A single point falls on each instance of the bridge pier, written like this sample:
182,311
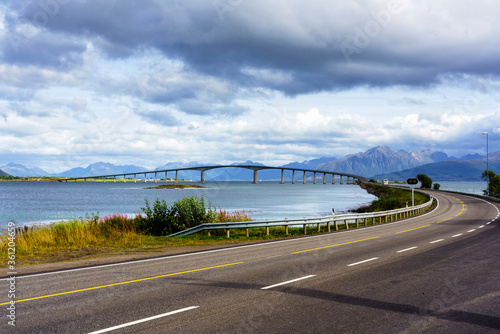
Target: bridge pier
135,178
324,178
166,177
314,178
282,176
333,178
124,178
293,176
176,178
202,176
341,179
255,180
304,177
145,177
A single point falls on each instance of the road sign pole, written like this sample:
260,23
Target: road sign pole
412,181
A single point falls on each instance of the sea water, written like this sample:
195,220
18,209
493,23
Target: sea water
43,202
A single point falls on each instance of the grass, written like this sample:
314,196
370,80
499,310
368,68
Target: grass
390,198
77,238
29,178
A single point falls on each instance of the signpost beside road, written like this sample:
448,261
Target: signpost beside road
412,181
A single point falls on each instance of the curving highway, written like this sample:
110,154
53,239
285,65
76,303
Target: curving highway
434,273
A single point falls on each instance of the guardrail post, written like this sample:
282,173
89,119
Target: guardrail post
247,230
346,224
267,230
305,228
319,227
336,226
357,222
328,225
208,232
286,229
227,233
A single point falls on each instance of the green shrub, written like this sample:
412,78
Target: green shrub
185,213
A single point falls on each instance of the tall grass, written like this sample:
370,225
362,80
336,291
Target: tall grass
225,217
110,231
90,235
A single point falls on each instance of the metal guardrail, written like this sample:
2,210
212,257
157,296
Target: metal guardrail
346,218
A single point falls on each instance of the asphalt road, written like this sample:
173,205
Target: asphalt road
436,273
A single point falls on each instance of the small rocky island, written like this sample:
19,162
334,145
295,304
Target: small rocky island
175,186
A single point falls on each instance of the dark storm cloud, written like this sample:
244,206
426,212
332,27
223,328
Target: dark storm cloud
320,46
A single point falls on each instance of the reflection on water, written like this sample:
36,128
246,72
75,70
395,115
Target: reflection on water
28,202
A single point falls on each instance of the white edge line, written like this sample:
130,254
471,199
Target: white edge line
143,320
287,282
456,235
214,250
439,240
356,263
407,249
471,230
481,226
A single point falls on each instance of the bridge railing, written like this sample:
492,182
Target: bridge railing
359,218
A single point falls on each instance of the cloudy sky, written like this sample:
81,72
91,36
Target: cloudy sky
149,82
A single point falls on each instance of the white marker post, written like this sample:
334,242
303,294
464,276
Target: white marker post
412,181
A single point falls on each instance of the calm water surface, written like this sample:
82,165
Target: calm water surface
32,202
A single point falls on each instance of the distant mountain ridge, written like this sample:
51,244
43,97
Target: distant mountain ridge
2,173
382,159
376,162
451,170
101,168
21,170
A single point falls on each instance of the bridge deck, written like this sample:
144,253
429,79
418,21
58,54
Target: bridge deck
202,170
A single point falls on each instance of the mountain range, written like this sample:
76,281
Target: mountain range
379,162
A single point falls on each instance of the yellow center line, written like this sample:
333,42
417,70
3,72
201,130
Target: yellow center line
458,214
121,283
344,243
413,229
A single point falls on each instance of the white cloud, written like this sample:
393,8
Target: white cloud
261,81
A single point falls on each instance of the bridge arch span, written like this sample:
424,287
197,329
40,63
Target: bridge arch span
254,168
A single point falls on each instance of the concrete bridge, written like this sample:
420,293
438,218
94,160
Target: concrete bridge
202,170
